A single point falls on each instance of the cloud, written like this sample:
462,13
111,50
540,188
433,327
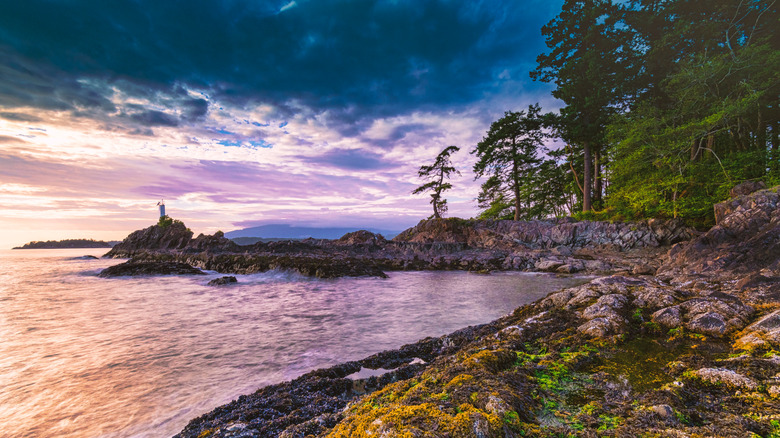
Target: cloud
19,117
154,118
351,59
351,159
9,139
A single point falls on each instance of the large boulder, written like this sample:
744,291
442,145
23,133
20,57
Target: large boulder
172,237
743,242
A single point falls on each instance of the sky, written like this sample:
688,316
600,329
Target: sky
241,113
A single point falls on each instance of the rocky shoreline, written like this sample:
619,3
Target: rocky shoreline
561,246
669,342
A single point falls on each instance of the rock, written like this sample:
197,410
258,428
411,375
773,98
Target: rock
222,281
497,407
558,299
727,377
134,268
668,317
755,279
665,411
709,323
583,295
642,269
174,236
361,237
774,391
766,329
749,341
652,297
746,188
607,306
548,265
768,323
567,269
215,243
740,243
597,328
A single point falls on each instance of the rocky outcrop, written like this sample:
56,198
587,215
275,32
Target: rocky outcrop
560,246
361,237
549,234
738,194
223,281
173,237
136,267
743,246
214,243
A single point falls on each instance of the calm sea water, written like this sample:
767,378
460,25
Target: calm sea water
82,356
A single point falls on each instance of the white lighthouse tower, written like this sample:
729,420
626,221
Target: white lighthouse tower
161,204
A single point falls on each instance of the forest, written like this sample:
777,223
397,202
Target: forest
667,104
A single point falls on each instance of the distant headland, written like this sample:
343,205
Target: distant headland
67,243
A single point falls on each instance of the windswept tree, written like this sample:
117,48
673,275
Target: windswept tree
436,173
507,155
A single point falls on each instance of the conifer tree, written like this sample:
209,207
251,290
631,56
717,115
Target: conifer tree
507,154
440,170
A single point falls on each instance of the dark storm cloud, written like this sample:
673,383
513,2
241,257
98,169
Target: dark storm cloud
356,59
154,118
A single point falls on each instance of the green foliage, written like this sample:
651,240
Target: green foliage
440,170
166,221
775,429
672,103
507,155
608,422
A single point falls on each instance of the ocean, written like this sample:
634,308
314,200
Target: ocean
83,356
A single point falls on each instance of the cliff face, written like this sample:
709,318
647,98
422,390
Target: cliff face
549,234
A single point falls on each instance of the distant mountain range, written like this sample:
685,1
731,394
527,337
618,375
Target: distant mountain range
283,231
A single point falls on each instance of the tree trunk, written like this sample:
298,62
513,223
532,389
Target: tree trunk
775,163
516,183
587,178
597,187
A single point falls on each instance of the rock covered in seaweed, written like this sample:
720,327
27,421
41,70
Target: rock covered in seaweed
135,268
223,281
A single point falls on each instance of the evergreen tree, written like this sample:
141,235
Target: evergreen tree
440,170
708,118
508,155
589,64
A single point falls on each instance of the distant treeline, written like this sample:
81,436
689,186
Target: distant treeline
67,243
